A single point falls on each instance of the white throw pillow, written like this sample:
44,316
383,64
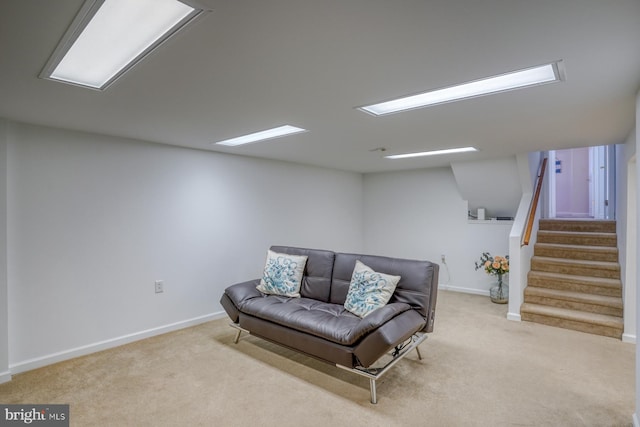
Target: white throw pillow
282,274
369,290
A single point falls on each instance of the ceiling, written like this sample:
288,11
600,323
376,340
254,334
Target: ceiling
250,65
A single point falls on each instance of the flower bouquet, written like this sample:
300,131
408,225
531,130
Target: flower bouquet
497,266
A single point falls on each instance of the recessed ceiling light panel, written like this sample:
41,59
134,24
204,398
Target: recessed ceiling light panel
108,37
544,74
262,135
431,153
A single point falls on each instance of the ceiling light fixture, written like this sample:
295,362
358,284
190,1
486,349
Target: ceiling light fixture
262,135
109,37
432,153
544,74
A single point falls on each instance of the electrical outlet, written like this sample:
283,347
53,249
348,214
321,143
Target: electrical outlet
444,260
159,286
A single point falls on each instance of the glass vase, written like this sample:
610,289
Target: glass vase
500,292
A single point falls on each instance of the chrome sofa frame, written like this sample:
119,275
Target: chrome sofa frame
373,373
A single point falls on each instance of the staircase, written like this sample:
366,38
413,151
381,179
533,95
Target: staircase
574,282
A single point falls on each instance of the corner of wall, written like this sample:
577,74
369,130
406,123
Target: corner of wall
5,374
505,170
636,421
526,170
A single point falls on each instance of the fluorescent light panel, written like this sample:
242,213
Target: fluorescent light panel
515,80
431,153
262,135
108,37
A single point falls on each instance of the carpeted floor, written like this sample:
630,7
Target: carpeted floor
478,370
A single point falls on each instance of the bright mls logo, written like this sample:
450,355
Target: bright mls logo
36,415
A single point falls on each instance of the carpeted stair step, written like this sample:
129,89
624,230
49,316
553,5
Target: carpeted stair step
584,252
574,282
593,323
567,282
599,226
575,238
576,267
591,303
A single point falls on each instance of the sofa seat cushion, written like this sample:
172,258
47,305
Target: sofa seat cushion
325,320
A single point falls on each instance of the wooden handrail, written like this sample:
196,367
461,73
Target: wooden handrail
534,204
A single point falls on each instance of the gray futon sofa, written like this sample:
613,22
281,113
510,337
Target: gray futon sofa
317,323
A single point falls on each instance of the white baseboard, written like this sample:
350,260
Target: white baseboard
464,290
636,421
629,338
5,377
510,316
514,316
39,362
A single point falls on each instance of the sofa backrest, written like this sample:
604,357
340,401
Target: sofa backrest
316,282
417,287
327,276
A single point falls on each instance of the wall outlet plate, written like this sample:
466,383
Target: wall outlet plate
159,286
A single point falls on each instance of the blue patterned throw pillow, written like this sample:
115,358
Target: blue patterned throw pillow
369,290
282,274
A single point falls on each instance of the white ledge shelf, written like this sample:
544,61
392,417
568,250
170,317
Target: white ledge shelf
490,221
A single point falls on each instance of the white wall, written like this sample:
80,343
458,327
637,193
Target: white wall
94,220
520,256
498,191
420,214
625,167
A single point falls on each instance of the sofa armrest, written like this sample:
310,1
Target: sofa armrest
244,291
373,321
381,316
389,335
236,295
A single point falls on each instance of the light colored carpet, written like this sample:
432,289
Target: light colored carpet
478,370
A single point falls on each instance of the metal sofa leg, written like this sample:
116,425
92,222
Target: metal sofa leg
372,386
375,373
372,373
239,331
